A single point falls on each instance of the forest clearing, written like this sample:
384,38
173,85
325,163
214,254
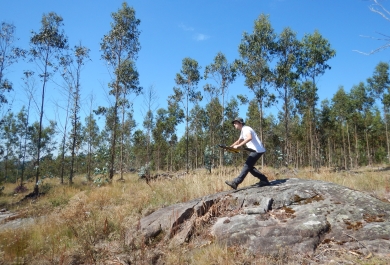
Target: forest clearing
93,223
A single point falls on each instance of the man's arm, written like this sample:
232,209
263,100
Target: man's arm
241,142
236,143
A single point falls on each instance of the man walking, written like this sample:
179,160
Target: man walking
249,137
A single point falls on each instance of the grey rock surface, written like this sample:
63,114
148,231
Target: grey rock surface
302,216
10,221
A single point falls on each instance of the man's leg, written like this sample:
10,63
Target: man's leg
256,173
248,167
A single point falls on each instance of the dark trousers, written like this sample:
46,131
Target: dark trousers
249,166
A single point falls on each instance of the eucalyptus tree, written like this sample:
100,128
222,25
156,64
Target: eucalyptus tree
305,96
315,51
21,124
379,85
252,115
342,108
211,121
286,75
197,116
257,51
45,136
46,46
376,136
120,48
160,136
362,103
327,130
127,126
187,80
64,129
175,117
231,112
223,73
91,138
73,65
23,118
150,98
10,140
9,55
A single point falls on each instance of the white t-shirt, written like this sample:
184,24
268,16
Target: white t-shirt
255,143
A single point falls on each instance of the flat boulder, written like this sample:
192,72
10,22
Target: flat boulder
302,216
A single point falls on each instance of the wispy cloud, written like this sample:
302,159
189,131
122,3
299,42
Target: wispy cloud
186,28
201,37
195,36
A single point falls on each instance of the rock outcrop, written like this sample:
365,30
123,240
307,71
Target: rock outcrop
301,216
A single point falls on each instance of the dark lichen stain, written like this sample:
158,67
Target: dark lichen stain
297,198
316,198
353,225
369,218
288,210
300,200
331,241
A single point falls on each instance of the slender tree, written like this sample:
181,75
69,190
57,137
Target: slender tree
10,139
305,96
342,109
379,85
120,48
150,98
313,62
188,80
286,74
9,55
257,51
46,139
29,87
73,65
223,73
46,45
91,138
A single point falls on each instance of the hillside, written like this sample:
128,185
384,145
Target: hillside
88,223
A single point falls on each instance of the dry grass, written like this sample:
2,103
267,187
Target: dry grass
86,224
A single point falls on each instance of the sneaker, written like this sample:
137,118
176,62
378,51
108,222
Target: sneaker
263,183
231,184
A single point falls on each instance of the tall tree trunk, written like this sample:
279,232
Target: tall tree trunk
344,149
349,148
36,188
387,135
113,135
356,148
122,142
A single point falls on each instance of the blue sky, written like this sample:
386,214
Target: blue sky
174,29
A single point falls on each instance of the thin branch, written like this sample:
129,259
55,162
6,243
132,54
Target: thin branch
372,8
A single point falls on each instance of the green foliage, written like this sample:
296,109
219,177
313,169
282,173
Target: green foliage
348,129
119,49
144,171
209,158
102,175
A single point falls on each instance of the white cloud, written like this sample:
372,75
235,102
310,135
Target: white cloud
201,37
186,28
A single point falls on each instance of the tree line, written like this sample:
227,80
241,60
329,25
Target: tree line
349,130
